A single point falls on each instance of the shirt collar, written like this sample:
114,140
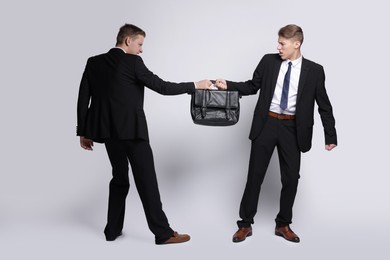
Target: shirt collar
294,62
121,49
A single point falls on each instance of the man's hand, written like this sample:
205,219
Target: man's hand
86,143
221,84
203,84
329,147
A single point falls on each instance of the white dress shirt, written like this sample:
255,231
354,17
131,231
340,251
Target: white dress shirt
293,88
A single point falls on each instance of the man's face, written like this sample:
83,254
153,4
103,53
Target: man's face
134,45
288,48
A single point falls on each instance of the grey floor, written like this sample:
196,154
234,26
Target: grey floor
74,230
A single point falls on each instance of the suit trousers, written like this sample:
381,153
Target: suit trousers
281,134
140,155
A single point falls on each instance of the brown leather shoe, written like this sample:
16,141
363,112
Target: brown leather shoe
177,238
287,233
241,234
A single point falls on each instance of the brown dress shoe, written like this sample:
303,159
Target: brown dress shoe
241,234
287,233
177,238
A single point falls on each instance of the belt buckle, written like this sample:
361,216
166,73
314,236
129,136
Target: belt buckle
280,116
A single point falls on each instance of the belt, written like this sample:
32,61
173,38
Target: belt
281,116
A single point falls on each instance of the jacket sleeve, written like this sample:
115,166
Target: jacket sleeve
325,109
154,83
83,103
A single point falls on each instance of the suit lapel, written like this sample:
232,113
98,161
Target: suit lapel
275,74
302,78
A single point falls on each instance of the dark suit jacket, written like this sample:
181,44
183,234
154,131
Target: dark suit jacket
111,96
311,89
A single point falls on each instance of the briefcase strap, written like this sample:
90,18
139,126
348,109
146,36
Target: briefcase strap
203,104
227,105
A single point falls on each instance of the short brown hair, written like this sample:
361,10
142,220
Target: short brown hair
128,30
291,31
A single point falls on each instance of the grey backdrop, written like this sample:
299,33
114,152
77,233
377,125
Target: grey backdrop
53,195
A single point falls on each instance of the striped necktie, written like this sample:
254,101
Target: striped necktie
286,84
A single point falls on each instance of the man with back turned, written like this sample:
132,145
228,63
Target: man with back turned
110,111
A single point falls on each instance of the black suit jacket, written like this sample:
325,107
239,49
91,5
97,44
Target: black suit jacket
311,89
111,96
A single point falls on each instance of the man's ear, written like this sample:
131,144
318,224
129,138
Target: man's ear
297,44
128,41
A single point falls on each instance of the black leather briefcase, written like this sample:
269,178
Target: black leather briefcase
215,107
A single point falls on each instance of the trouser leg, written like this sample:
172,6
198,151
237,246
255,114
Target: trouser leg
142,164
289,160
261,153
118,189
